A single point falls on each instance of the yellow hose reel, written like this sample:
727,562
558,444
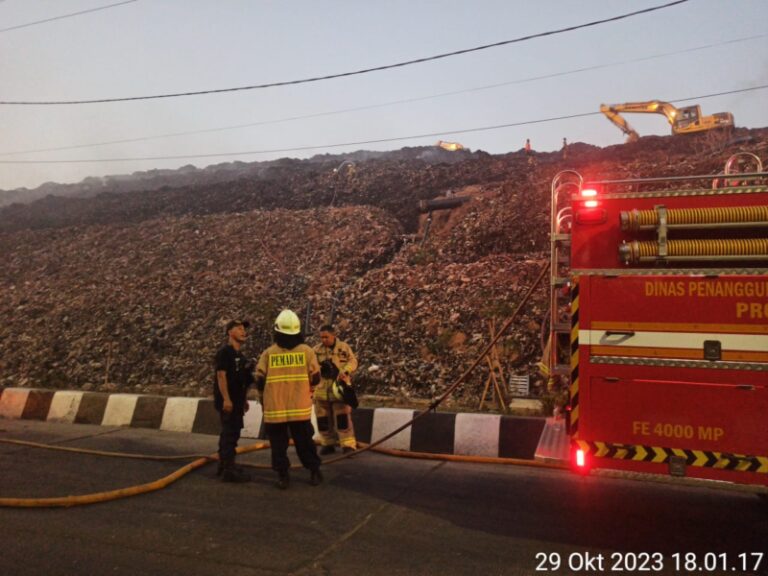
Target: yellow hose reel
664,220
730,217
714,250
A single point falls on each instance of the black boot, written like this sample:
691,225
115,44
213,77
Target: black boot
315,477
220,468
232,473
283,480
327,450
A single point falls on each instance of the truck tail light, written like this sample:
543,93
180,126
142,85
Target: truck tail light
580,461
588,210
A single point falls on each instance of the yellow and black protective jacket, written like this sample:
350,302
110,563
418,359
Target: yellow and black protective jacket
287,395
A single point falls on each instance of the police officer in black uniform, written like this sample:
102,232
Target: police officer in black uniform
233,377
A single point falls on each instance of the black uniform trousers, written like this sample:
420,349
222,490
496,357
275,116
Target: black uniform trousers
302,433
231,425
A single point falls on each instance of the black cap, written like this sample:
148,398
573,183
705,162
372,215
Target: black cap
232,323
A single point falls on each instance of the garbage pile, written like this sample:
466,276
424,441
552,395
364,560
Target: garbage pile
130,290
142,307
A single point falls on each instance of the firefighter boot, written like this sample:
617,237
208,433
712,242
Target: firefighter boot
232,473
283,480
315,477
222,465
220,468
325,450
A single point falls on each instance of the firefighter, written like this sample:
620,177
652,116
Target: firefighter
233,377
286,373
334,415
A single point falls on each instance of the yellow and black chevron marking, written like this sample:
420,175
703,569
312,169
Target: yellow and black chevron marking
659,455
574,389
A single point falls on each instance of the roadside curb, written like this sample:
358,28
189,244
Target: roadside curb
466,434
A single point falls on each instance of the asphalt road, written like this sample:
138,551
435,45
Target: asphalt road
374,515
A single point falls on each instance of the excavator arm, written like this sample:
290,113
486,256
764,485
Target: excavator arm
613,115
683,120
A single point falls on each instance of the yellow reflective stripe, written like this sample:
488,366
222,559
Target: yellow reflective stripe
298,378
296,412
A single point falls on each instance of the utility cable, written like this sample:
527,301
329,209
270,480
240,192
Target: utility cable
299,148
28,24
361,142
389,103
353,73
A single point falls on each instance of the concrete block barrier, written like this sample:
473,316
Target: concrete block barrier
436,432
64,406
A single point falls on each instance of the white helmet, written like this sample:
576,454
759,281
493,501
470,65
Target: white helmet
288,323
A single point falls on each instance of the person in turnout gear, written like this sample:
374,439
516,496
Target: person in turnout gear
334,413
233,377
286,373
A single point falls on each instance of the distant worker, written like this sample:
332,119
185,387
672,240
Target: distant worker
334,415
528,150
285,375
233,377
565,148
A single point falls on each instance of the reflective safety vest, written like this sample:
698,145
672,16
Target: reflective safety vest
287,395
344,359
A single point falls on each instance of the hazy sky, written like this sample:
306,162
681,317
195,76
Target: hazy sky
152,47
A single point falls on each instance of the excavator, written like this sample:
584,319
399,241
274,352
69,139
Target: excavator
684,120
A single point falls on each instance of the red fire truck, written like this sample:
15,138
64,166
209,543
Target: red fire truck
659,322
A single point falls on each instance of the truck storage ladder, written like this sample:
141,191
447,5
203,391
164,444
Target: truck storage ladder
564,184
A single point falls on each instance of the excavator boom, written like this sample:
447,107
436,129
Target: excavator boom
683,120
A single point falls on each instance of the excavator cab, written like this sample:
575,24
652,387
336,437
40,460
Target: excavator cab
687,116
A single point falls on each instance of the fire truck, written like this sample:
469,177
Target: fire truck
659,322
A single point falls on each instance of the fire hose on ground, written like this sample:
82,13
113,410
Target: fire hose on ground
202,460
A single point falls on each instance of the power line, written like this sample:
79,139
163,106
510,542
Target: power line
384,104
345,74
360,142
28,24
300,148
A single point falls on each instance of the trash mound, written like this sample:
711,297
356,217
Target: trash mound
130,290
419,326
142,307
